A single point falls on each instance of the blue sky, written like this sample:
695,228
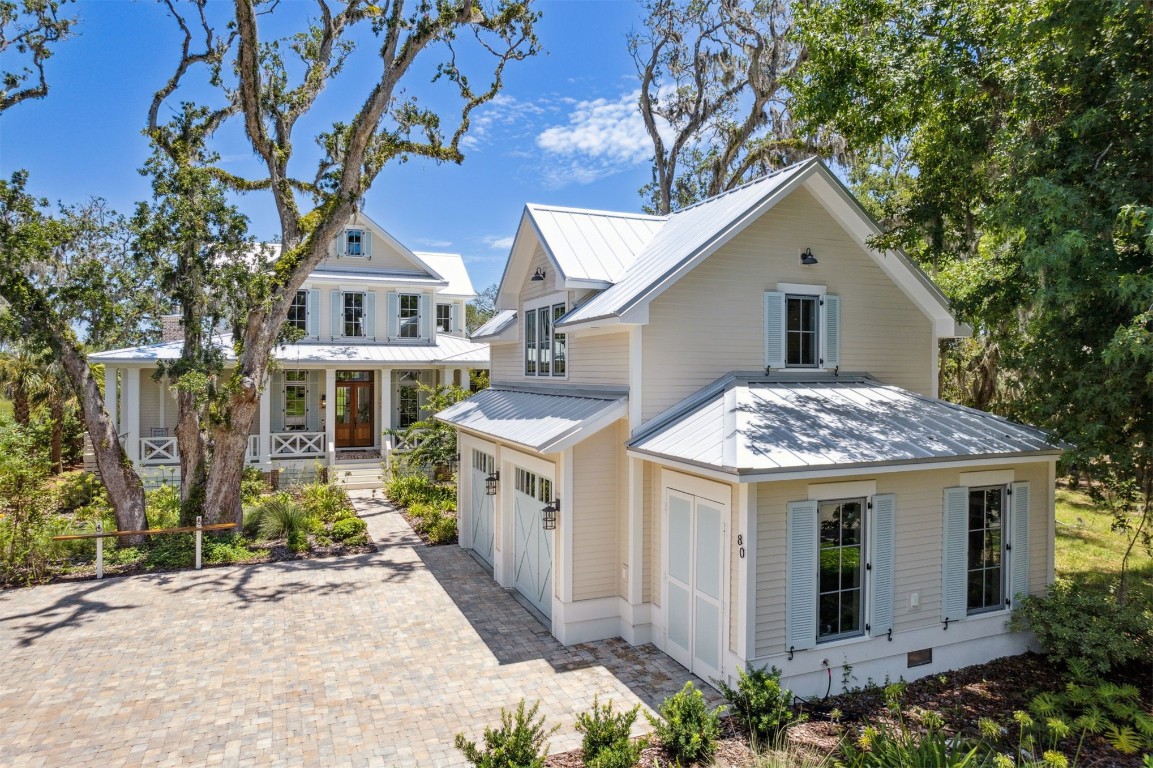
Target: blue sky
565,129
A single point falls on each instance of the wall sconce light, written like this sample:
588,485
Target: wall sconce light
807,257
548,515
538,276
490,483
323,401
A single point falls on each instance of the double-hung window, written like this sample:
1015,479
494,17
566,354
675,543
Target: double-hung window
545,349
353,315
295,400
802,327
354,242
409,315
840,561
444,318
298,312
801,331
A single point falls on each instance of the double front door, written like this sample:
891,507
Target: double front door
354,411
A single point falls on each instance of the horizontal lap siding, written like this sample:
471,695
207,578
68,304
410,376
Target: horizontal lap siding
149,403
595,511
506,362
712,320
600,359
383,256
1040,517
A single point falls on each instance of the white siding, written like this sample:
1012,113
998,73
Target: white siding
711,321
383,256
599,359
507,361
597,478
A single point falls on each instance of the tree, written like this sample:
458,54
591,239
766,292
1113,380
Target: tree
713,96
481,309
276,84
1025,182
30,29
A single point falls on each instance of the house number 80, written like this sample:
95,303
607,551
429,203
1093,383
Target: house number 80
741,543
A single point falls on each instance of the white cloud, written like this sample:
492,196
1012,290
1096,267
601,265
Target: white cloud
498,242
602,137
432,243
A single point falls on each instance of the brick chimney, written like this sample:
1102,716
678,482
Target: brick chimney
171,328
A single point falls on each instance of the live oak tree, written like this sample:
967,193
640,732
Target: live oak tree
713,96
29,30
270,85
1009,143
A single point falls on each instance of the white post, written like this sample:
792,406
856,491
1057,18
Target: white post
330,414
198,537
385,411
130,412
110,393
163,385
99,550
462,374
264,454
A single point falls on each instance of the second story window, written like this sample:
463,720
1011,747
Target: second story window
802,327
353,314
409,316
354,244
444,318
801,330
545,350
298,312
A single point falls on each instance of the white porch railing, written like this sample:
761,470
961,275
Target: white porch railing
297,444
158,450
405,443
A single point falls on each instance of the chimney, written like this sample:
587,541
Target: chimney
171,328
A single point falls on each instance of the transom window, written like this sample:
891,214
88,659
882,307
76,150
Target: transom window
298,312
353,314
295,400
801,341
842,569
538,487
444,318
545,350
409,309
354,242
986,550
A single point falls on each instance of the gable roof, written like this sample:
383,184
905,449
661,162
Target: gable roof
451,267
594,246
417,260
764,426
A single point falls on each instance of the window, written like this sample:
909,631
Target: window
444,318
801,331
295,400
540,488
545,351
986,550
354,242
408,407
842,569
353,314
409,314
298,312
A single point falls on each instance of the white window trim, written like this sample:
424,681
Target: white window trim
363,314
436,316
291,304
820,291
344,244
532,306
419,318
1006,550
286,384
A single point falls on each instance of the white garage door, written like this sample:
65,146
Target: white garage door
533,545
694,580
482,518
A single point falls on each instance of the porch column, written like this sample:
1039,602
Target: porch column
110,399
446,376
264,452
385,387
330,414
462,374
130,412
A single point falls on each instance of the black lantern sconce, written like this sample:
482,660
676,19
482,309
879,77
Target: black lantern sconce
538,276
490,483
807,257
548,515
323,401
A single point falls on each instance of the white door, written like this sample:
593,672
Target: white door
694,580
482,518
532,543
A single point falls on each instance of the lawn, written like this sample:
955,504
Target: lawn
1088,550
5,408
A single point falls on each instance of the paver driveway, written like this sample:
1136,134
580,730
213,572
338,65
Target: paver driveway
363,660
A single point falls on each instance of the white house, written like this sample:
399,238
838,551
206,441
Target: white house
729,415
377,320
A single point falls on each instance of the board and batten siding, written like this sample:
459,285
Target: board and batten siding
596,508
918,546
711,321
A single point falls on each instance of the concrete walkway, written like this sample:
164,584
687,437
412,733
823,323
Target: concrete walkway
374,659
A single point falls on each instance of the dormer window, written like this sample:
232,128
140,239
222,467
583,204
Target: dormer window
356,243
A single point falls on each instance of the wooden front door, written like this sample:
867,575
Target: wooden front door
354,417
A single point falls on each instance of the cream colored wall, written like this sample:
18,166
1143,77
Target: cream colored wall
597,470
919,497
380,331
505,359
652,525
711,321
530,289
383,257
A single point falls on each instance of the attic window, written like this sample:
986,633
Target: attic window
354,243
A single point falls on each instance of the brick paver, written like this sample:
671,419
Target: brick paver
374,659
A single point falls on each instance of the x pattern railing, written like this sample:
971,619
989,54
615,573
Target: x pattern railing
298,444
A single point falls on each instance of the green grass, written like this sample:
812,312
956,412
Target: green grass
5,408
1088,550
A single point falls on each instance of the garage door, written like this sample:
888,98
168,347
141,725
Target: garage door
533,545
694,580
482,517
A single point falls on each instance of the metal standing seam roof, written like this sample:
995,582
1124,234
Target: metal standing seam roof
448,349
593,245
542,422
496,324
748,426
451,268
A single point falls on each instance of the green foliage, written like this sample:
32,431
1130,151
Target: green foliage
901,745
162,506
350,530
760,703
408,489
26,506
78,489
1077,624
520,742
435,519
280,517
252,485
687,727
434,441
326,501
607,741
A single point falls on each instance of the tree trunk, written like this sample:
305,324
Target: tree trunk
190,446
229,448
56,410
21,408
125,490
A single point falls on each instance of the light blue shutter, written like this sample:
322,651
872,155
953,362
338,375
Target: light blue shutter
454,317
426,316
366,243
774,329
1019,541
801,578
832,310
370,314
312,313
882,557
393,315
314,400
337,328
275,393
342,243
954,604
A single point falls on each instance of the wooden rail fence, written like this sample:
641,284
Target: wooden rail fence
100,535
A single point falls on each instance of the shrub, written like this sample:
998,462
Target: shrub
518,743
760,703
325,501
1077,623
687,728
279,517
442,529
162,506
25,504
351,531
78,489
252,485
409,489
607,739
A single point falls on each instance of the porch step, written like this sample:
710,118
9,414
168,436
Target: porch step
358,476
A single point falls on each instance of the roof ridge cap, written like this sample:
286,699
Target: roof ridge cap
745,185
